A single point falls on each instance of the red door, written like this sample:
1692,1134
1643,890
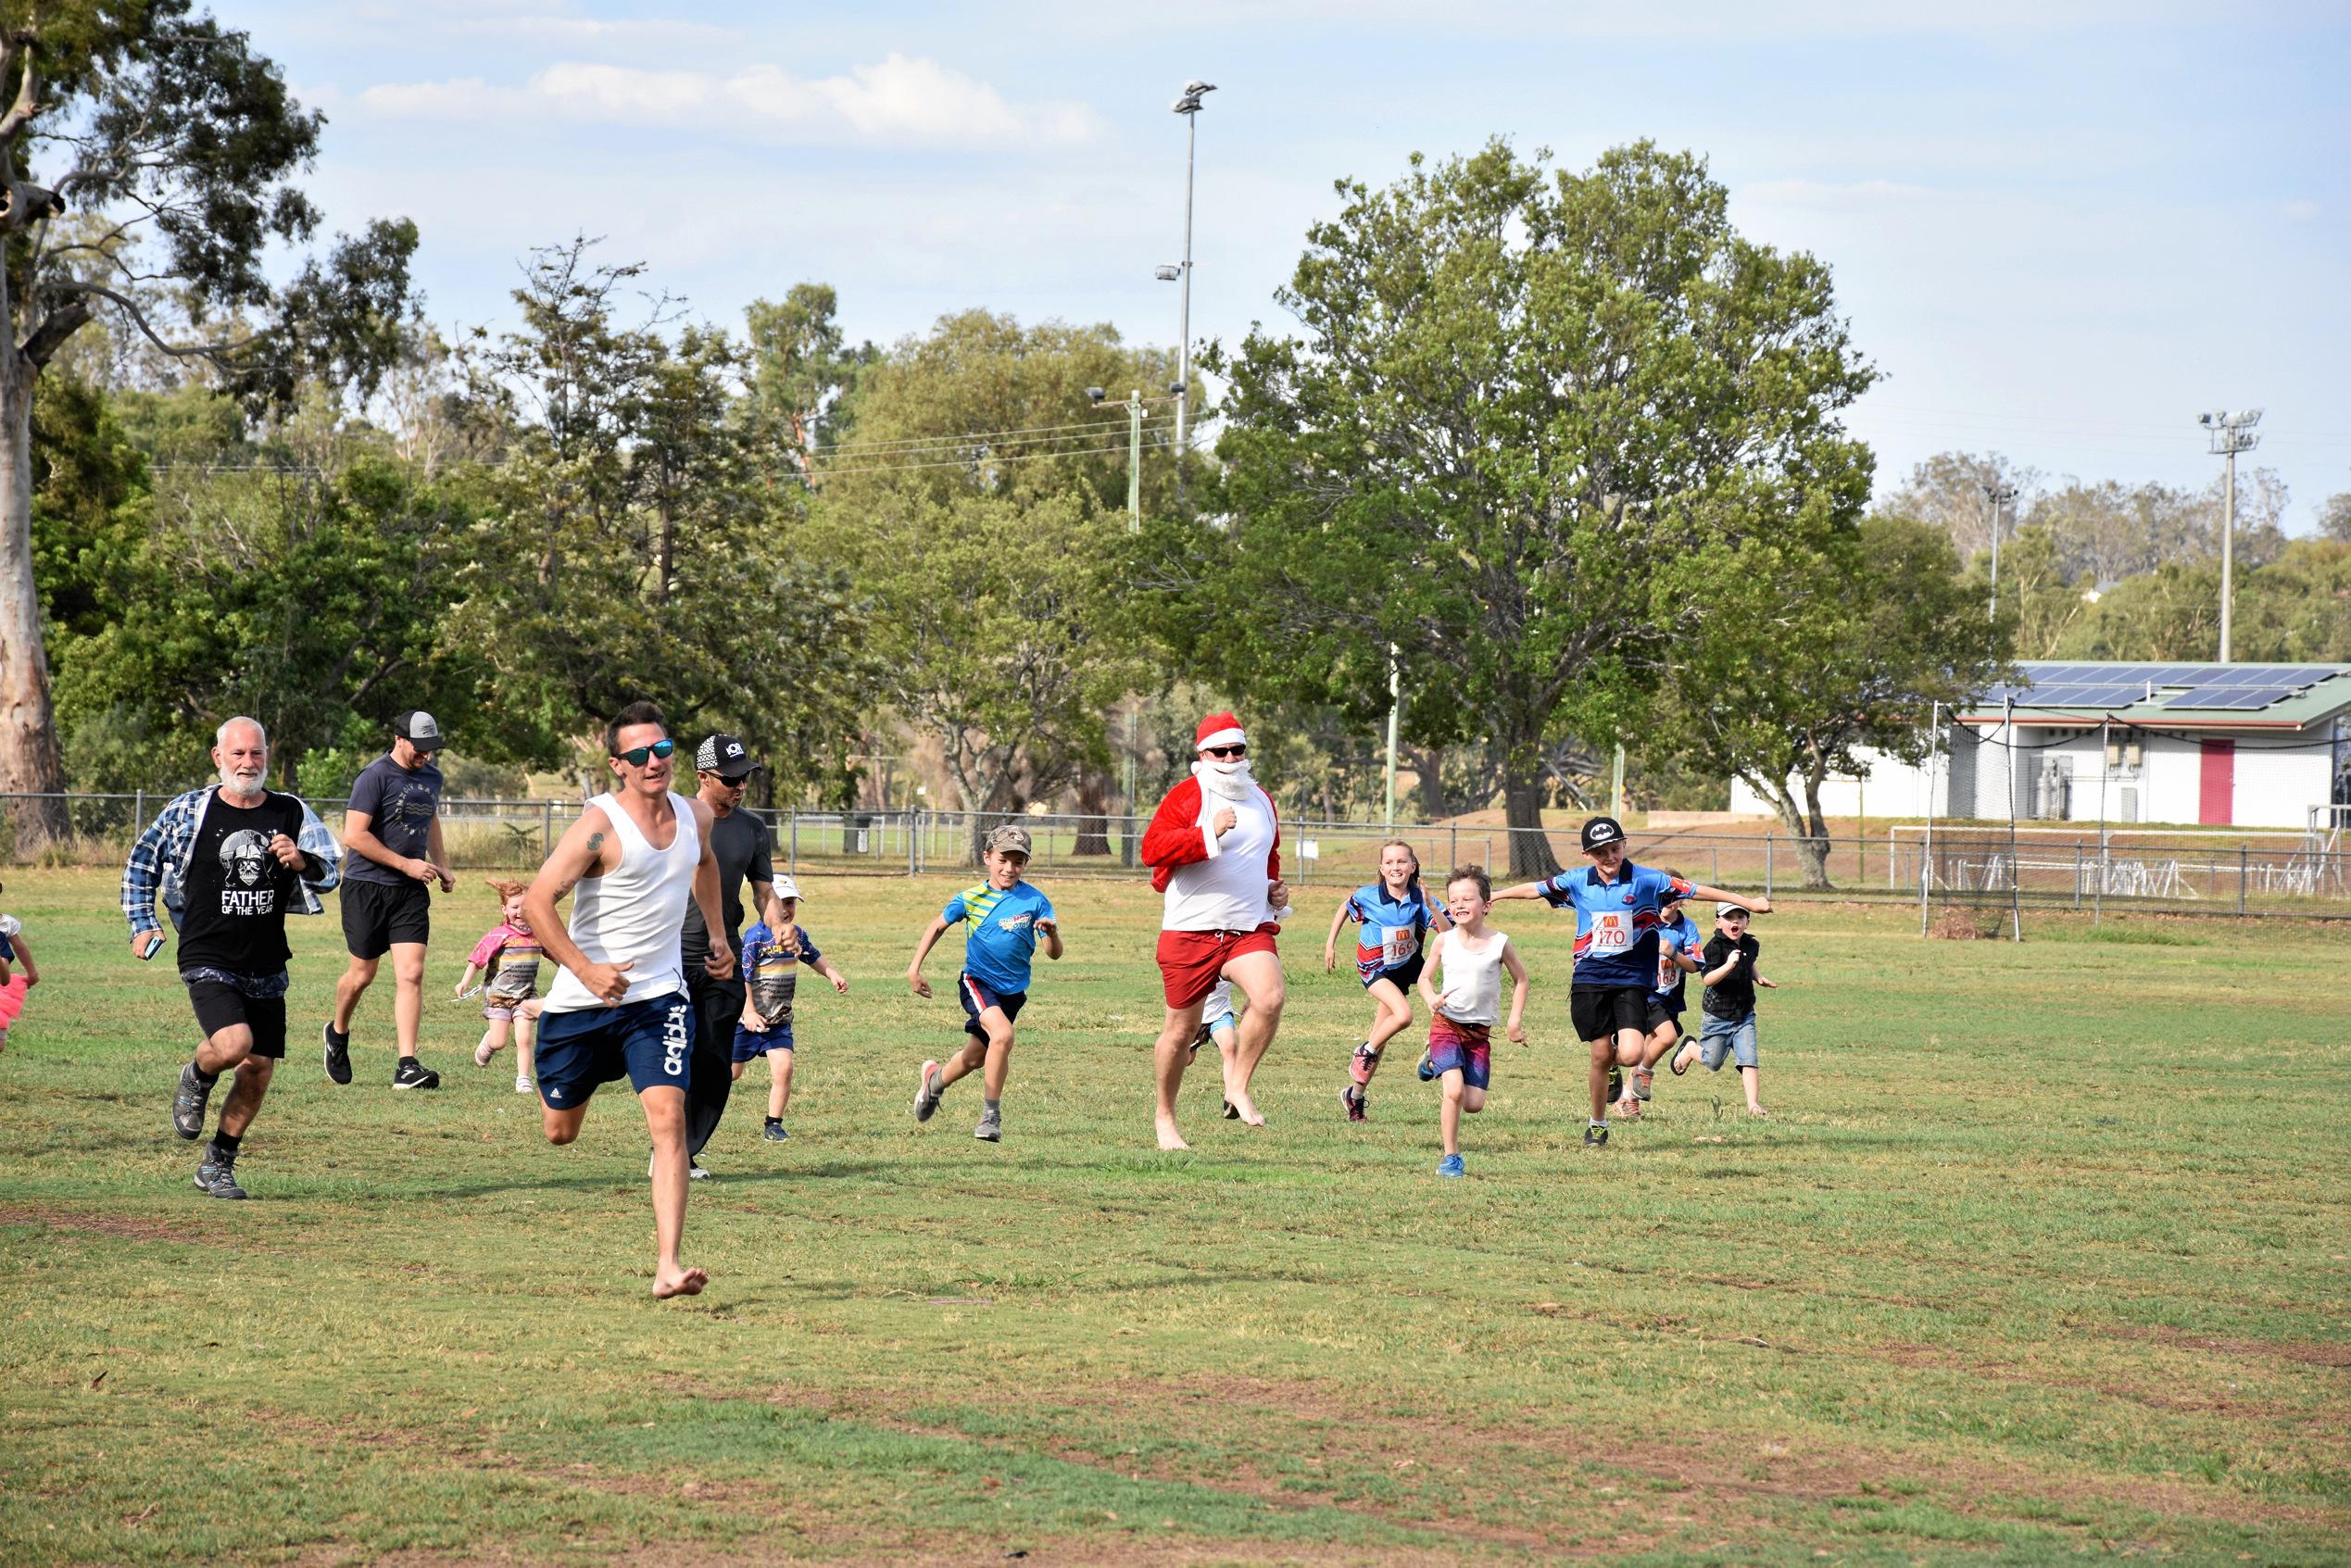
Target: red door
2218,800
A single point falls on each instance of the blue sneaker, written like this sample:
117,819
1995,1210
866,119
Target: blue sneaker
1427,1070
1449,1165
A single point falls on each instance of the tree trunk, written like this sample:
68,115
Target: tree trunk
1430,766
29,764
1093,792
1812,840
1530,855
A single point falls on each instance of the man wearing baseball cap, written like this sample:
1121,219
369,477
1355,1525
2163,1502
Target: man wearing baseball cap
392,828
1616,921
1214,849
744,847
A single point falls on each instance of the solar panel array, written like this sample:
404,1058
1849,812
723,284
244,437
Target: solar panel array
2226,687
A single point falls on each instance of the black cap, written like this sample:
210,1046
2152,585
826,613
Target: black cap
420,730
722,754
1602,830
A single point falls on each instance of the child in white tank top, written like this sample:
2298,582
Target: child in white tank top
1472,957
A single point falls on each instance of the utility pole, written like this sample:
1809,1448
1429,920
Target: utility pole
1189,106
2231,433
1999,495
1134,406
1395,707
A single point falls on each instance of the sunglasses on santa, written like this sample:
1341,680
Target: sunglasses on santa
1224,751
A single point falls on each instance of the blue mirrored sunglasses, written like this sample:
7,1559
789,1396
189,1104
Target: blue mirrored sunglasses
634,756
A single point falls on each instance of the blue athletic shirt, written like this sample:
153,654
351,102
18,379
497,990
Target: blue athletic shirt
1388,931
1615,921
1004,932
1681,936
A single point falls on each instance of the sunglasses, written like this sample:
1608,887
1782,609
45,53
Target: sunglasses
735,781
634,756
1225,751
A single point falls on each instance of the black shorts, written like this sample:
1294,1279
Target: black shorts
1599,1013
219,1005
1660,1015
978,998
377,914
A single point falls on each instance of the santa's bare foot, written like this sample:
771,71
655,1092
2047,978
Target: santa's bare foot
678,1281
1170,1139
1251,1116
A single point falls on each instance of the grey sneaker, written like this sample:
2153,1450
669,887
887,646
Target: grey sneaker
338,1054
217,1176
926,1093
990,1128
187,1106
1643,1077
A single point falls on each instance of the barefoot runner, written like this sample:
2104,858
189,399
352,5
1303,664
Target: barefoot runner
618,1009
1214,849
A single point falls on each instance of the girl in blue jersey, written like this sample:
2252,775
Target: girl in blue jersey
1395,916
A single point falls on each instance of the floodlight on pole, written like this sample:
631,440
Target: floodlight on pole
1189,106
2231,433
1999,495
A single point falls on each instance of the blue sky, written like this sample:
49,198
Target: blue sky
2060,229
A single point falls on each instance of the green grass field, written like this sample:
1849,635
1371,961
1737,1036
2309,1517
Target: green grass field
2042,1255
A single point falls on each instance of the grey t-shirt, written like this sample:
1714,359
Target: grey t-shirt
744,847
400,803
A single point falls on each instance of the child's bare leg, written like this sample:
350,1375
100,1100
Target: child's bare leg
999,1058
734,1071
1449,1109
1604,1053
1748,1079
779,1082
526,1040
970,1058
492,1041
1660,1043
1473,1100
1395,1015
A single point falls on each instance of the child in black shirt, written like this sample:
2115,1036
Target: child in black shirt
1731,977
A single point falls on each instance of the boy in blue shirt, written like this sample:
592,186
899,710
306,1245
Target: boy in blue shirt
1008,919
772,957
1617,920
1677,948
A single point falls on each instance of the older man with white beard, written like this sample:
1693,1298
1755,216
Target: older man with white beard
1214,849
228,863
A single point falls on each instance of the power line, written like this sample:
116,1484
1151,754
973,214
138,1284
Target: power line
976,460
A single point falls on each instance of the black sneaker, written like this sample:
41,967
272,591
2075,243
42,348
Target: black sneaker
1352,1097
1595,1137
217,1176
1232,1112
413,1074
187,1106
338,1054
1616,1083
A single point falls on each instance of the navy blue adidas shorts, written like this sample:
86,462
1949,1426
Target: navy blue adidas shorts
651,1043
978,998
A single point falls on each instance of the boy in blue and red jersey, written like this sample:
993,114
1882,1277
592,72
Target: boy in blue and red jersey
1616,906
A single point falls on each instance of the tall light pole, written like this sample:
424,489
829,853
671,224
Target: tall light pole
2231,433
1134,406
1189,106
1999,495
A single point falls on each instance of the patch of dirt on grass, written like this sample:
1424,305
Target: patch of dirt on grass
125,1227
1116,1551
2307,1352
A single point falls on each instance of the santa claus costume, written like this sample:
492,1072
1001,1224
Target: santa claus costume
1214,849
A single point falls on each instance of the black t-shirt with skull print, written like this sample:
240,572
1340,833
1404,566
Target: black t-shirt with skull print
236,893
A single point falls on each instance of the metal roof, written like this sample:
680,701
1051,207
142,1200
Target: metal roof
2178,695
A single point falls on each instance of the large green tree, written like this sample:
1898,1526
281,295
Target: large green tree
1823,655
184,144
1535,420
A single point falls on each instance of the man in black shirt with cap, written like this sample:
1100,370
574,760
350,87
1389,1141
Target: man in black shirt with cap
393,830
745,848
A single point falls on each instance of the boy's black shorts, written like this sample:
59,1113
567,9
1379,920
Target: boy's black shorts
1600,1011
219,1005
1660,1015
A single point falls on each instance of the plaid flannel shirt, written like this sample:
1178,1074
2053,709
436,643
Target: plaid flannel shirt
157,870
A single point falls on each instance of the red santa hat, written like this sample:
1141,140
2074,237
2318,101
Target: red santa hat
1219,729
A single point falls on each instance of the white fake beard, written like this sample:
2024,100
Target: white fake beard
1230,780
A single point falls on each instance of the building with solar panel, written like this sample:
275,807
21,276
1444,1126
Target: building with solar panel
2253,746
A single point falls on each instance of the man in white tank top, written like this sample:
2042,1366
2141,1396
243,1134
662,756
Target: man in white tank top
619,1007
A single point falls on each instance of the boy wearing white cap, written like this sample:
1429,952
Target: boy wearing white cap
1731,978
772,957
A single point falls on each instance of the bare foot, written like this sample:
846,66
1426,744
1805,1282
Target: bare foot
686,1282
1170,1139
1251,1116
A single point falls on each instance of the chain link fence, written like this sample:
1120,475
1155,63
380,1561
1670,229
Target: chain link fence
2302,876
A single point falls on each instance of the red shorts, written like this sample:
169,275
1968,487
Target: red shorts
1190,961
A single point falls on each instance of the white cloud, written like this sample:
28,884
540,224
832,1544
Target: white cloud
2300,212
897,101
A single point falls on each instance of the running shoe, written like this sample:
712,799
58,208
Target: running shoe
694,1172
927,1092
482,1052
1643,1077
338,1054
1626,1109
1365,1060
1427,1068
187,1106
990,1128
1232,1112
1595,1137
413,1074
217,1175
1616,1083
1352,1098
1449,1165
773,1132
522,1085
